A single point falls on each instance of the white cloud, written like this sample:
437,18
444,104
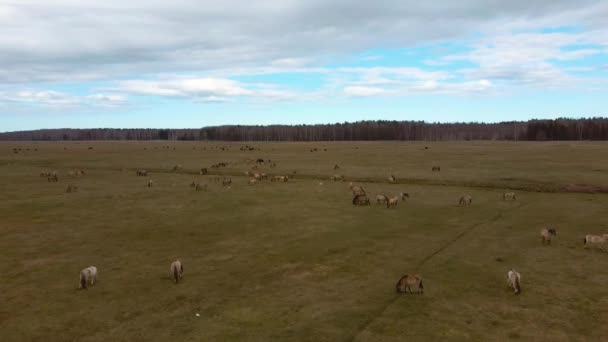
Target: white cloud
40,97
360,91
201,89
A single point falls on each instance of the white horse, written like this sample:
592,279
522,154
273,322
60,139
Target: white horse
596,240
392,202
88,276
514,280
177,270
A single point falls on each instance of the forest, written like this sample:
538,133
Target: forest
533,130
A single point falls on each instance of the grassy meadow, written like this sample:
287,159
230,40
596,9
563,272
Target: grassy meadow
296,261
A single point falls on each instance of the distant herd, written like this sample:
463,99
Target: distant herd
409,282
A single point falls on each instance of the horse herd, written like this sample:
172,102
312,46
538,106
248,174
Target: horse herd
407,282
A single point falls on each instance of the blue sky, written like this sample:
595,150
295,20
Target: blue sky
189,63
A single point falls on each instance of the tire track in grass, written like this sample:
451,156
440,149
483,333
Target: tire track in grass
429,257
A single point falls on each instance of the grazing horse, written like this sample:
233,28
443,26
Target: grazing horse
226,182
546,234
336,178
465,200
203,171
514,280
357,190
392,179
508,196
381,199
596,240
142,173
408,281
404,196
360,200
88,276
392,202
177,270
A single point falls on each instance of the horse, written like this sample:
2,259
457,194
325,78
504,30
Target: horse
408,281
465,200
514,280
360,200
381,199
177,270
357,190
392,179
508,196
546,234
436,168
404,196
336,178
88,276
392,202
596,240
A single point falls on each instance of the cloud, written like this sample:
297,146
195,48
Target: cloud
108,100
70,40
201,89
359,91
40,98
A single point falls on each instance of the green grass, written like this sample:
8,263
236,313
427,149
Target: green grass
295,260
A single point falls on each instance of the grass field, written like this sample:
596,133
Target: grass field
296,260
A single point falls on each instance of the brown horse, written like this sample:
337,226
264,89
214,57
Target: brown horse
410,281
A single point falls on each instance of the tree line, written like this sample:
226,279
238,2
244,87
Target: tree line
532,130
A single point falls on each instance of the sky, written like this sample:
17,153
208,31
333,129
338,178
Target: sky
189,64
